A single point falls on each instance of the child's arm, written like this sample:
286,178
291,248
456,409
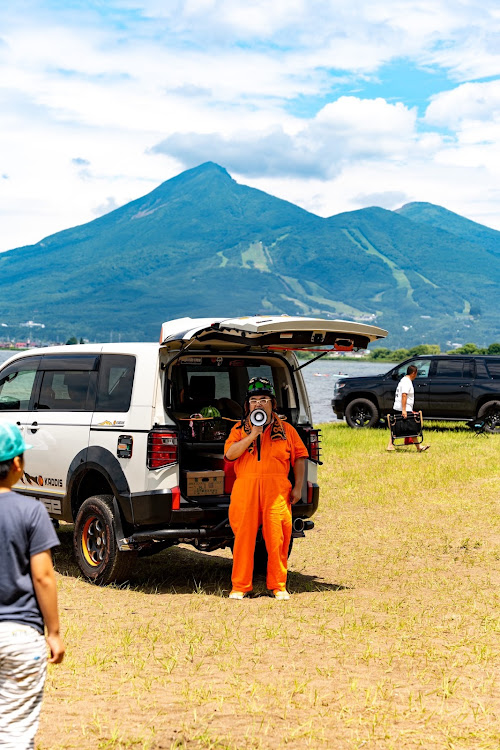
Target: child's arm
44,583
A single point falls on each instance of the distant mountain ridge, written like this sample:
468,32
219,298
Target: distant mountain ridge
441,218
202,244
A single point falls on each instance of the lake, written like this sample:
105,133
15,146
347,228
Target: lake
320,377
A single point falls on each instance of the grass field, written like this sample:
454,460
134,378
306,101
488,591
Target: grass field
390,640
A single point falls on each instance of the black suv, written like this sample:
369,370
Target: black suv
446,387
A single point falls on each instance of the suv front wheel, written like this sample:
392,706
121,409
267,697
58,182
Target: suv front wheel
361,413
94,543
490,412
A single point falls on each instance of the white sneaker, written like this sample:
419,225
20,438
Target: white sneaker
236,595
283,596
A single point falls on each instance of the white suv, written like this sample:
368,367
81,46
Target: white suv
128,439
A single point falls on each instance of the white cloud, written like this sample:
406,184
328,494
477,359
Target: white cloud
109,205
391,199
346,130
470,102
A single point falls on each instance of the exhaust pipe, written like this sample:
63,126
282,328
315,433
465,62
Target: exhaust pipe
298,524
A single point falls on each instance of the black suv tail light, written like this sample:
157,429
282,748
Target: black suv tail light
162,449
313,444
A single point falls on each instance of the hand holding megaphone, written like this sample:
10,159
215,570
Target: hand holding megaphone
258,417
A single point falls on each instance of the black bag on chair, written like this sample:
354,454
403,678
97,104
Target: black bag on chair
402,428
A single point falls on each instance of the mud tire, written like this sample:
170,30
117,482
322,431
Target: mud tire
94,543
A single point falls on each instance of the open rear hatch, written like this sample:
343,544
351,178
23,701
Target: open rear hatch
273,332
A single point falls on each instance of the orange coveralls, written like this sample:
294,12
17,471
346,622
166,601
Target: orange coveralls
261,496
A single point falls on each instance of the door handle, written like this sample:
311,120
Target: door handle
466,385
34,427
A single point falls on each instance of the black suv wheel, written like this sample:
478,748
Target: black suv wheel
94,543
490,412
361,413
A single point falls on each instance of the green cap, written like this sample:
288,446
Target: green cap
11,442
260,387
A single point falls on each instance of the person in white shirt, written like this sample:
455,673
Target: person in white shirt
403,402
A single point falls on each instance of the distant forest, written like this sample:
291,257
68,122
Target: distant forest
383,354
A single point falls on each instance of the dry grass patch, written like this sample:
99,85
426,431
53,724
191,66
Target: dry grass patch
391,639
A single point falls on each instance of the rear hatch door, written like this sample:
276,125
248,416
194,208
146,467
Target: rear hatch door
275,332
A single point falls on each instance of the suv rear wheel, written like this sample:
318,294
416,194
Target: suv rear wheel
490,412
361,413
94,543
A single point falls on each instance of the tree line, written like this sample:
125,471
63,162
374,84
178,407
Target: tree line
397,355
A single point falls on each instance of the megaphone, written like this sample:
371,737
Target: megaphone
258,417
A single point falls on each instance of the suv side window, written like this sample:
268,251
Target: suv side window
423,366
63,390
481,371
16,385
116,378
494,368
451,368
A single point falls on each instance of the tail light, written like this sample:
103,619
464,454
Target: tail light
162,449
314,444
176,498
310,490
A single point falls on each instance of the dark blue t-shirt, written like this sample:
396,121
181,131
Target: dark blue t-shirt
25,530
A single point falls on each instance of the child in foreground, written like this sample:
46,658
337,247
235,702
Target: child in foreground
28,600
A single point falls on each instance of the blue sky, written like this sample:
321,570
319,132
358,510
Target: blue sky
332,105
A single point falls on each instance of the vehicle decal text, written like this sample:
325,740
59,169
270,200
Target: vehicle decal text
53,506
41,481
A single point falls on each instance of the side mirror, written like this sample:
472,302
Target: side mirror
395,376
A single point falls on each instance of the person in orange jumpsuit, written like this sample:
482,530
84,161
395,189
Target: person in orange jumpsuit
262,493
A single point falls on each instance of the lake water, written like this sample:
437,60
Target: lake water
5,355
319,377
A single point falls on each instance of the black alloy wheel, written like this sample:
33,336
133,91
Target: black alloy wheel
361,413
490,412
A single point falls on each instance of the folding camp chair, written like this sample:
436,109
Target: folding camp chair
478,426
404,428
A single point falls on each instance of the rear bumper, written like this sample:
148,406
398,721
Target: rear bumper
156,520
155,509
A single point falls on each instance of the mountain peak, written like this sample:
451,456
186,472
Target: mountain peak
209,166
443,218
208,170
417,204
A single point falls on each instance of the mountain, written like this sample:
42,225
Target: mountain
437,216
202,244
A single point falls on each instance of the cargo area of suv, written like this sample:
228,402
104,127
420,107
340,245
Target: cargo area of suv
217,385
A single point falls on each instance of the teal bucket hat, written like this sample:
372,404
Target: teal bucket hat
11,442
